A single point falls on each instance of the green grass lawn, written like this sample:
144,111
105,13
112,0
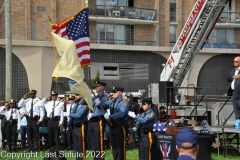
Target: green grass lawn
131,155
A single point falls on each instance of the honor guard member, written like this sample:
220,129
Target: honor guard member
12,125
69,107
34,114
54,111
118,116
97,124
78,121
145,126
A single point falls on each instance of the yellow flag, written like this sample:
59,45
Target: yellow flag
69,67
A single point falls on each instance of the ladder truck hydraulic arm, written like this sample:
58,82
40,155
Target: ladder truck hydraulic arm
194,34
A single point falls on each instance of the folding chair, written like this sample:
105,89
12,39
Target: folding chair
43,130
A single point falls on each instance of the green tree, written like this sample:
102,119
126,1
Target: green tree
95,80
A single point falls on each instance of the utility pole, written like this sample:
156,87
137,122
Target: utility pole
8,37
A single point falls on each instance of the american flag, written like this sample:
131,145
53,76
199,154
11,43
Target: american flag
217,142
77,29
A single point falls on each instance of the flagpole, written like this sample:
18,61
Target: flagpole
95,97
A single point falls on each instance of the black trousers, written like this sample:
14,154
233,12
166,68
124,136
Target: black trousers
11,134
117,140
33,135
96,138
3,131
53,134
236,107
69,137
145,146
79,141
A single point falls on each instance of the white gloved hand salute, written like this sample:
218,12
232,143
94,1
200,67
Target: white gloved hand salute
131,114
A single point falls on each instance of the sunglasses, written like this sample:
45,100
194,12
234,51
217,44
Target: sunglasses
70,99
235,61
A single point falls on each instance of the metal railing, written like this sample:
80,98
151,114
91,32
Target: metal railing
137,37
229,17
123,12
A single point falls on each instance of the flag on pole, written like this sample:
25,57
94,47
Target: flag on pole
217,142
69,67
76,29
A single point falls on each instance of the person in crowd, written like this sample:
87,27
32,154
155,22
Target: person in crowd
12,125
134,107
64,140
69,107
118,116
78,121
3,124
139,100
34,114
144,127
23,127
187,144
54,111
97,123
234,88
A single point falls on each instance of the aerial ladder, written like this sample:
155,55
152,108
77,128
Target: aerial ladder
194,34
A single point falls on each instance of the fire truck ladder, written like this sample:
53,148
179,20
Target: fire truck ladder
195,37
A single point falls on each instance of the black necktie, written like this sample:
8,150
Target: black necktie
112,107
31,113
11,114
70,109
53,109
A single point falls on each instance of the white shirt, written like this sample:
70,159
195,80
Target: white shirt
37,107
232,84
58,108
69,107
15,115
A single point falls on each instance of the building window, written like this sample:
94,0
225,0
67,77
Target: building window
115,33
172,10
117,71
172,35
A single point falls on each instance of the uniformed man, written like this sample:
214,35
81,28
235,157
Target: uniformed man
118,108
34,114
12,126
54,111
3,124
145,128
78,121
134,107
69,107
97,124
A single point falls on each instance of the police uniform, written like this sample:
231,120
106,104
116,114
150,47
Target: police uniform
54,111
96,126
35,113
145,129
12,126
118,130
69,108
78,121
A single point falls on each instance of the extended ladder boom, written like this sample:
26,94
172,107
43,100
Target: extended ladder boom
198,27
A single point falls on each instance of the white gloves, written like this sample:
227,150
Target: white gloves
131,114
134,129
89,116
106,116
97,101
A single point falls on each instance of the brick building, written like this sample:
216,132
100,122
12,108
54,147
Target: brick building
129,43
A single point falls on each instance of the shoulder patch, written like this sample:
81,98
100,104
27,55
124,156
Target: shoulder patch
152,115
125,103
105,98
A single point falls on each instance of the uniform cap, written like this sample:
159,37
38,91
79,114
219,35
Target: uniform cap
139,97
116,89
147,100
32,91
53,93
129,95
186,135
71,97
101,84
76,94
12,101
